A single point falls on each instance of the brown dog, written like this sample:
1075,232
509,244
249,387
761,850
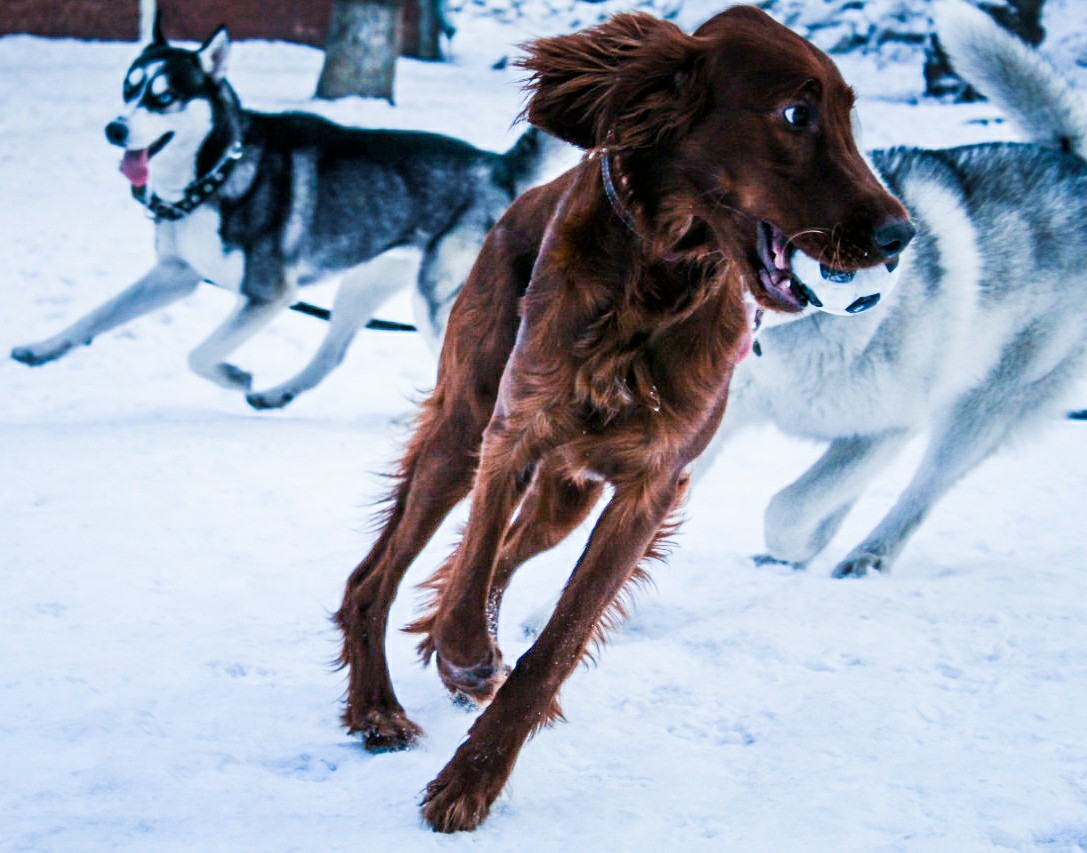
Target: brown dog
594,342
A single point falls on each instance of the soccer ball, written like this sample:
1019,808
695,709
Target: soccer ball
839,292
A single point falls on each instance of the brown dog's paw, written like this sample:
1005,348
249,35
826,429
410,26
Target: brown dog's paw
453,803
385,730
473,686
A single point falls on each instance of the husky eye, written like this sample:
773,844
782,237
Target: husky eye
799,116
160,91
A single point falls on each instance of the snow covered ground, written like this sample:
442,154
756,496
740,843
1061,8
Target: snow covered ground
169,558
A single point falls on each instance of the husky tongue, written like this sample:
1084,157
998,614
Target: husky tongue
134,167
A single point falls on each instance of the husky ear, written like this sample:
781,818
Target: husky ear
213,54
157,37
627,83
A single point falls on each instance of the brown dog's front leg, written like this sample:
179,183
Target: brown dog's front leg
461,796
469,661
553,507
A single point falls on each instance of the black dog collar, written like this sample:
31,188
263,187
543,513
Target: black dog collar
612,193
196,193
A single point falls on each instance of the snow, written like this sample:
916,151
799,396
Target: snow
170,557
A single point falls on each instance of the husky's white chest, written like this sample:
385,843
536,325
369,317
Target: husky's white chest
195,240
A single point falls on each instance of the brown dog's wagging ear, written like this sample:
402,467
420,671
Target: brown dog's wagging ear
624,83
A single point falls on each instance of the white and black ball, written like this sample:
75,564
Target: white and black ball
839,292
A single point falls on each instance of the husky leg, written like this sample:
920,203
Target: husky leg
359,296
804,516
247,319
444,269
168,281
971,431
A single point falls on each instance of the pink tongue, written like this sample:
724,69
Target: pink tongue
778,247
134,167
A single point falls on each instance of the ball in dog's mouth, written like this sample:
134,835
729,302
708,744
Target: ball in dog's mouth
794,280
134,162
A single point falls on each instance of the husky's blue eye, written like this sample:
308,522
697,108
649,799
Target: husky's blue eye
161,93
799,115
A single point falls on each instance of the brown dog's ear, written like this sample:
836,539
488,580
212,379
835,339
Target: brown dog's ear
626,83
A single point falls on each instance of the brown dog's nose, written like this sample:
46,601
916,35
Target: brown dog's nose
892,236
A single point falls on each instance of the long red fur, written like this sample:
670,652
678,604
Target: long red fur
594,345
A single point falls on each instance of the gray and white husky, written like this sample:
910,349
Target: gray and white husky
264,204
986,329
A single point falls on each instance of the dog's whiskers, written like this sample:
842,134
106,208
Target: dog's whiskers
720,205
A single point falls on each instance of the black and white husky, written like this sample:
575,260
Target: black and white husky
264,204
984,333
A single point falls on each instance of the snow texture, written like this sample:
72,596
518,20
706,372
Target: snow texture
169,559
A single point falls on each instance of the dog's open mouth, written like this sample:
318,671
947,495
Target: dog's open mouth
786,288
134,163
781,288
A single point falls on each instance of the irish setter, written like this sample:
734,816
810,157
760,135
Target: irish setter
594,342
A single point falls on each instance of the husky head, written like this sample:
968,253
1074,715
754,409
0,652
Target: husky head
179,113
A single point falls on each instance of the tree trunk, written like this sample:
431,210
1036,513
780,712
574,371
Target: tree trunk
361,49
424,25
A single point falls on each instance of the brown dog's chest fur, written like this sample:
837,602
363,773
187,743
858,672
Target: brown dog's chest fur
620,361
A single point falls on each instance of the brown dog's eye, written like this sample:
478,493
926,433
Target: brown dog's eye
799,116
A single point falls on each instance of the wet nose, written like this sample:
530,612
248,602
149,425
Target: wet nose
117,132
892,236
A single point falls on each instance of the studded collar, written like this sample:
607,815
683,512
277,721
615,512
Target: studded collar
195,194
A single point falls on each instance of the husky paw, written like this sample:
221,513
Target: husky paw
230,376
35,356
269,399
386,730
762,560
858,567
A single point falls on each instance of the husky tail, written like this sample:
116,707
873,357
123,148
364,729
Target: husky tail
537,156
1011,74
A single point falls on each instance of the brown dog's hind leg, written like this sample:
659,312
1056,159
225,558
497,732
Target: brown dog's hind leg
436,474
461,795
